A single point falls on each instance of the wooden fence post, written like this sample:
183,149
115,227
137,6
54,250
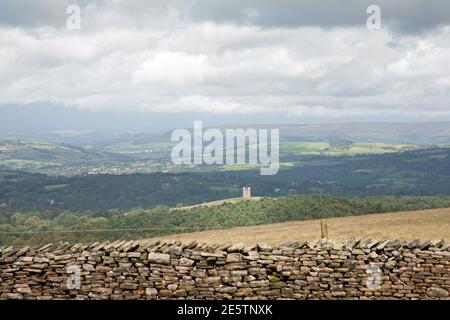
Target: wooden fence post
323,229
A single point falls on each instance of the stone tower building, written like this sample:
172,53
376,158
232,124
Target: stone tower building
246,192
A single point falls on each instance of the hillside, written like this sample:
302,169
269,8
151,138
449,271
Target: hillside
263,214
215,203
423,224
418,172
145,154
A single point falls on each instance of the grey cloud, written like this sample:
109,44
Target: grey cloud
35,13
400,15
228,58
43,13
405,16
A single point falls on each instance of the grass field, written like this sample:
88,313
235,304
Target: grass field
325,148
424,224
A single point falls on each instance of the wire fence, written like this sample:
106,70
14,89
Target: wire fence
145,229
142,231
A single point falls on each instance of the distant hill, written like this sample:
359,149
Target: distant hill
417,172
412,133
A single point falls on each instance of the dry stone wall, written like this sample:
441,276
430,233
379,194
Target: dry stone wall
149,269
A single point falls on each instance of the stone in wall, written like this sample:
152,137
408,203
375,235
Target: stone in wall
151,269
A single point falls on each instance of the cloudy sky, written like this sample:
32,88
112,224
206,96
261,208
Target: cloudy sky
247,60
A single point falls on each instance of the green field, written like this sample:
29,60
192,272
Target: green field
305,148
326,148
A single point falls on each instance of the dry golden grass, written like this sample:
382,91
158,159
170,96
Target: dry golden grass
424,224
